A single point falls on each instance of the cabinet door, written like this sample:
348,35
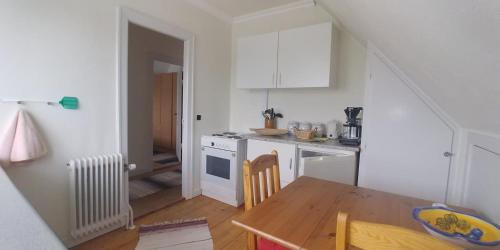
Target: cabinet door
304,56
286,156
256,61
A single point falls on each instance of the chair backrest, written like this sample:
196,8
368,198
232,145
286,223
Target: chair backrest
367,235
261,179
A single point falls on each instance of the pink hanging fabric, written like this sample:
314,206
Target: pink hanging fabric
21,141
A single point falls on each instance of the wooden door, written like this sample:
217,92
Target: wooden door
165,111
256,61
304,57
404,140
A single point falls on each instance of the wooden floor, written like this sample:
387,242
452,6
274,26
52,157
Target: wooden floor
158,169
146,205
219,215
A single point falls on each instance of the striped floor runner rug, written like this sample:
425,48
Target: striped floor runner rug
181,234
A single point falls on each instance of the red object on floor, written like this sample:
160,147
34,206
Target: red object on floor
269,245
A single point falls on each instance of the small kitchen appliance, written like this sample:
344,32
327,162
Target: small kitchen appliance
222,156
351,134
333,129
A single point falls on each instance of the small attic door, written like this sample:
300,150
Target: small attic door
404,141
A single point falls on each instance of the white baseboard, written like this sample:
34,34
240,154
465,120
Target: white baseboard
196,192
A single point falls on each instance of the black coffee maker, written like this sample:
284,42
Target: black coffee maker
351,131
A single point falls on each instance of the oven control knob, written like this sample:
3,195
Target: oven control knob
213,144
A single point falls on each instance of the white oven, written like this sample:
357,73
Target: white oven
222,168
219,166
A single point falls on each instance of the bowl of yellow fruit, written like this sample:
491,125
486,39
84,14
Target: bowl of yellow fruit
463,229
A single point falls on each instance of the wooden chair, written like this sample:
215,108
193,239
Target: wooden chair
261,179
367,235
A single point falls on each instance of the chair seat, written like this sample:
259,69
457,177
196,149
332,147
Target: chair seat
269,245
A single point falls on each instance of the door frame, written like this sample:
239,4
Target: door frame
126,16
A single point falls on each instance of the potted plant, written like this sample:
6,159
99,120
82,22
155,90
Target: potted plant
270,117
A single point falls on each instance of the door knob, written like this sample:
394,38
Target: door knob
131,166
447,154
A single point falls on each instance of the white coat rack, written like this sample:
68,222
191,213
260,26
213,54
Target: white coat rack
28,101
67,102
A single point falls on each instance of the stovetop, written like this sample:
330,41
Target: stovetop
229,135
225,140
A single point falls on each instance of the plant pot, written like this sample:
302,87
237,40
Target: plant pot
270,123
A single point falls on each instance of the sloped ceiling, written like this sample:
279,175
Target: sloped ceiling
450,48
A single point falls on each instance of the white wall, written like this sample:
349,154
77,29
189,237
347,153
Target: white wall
310,104
68,47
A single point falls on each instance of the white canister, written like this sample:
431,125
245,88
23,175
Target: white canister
292,126
319,129
334,129
305,126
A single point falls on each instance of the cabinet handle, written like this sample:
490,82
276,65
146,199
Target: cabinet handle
274,82
290,163
280,79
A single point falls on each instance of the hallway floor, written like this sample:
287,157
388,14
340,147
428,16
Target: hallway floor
154,202
153,192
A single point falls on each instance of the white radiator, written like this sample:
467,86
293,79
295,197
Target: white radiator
98,195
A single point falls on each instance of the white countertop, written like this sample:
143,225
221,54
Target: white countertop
330,144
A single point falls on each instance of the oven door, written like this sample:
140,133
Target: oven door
218,166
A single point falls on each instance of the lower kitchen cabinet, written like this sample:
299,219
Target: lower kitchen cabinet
286,155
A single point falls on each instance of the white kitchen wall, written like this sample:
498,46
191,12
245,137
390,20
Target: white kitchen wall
68,47
307,104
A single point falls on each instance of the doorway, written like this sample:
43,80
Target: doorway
155,110
162,185
167,114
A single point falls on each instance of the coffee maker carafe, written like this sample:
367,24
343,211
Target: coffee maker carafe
351,134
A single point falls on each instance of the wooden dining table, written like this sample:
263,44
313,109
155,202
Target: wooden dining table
303,215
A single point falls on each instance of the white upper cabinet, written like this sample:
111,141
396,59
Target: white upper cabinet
294,58
256,62
304,56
